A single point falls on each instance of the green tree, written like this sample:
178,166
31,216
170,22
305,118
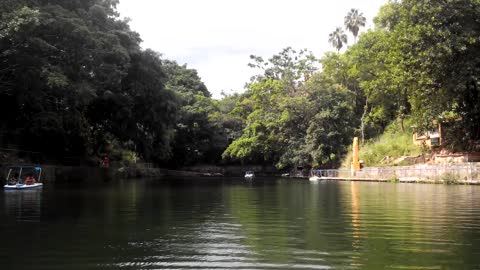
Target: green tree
443,57
291,66
342,71
202,128
74,79
332,125
423,60
259,142
311,129
381,76
275,108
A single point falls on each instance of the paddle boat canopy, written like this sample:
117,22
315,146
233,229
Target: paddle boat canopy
23,177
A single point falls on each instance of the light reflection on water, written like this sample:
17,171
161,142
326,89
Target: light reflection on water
24,205
230,224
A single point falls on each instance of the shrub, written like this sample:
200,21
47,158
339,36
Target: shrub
450,178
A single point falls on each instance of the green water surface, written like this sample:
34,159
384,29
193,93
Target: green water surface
234,224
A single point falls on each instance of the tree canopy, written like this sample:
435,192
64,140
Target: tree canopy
74,81
420,62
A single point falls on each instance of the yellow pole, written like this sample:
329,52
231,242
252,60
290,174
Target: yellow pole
355,156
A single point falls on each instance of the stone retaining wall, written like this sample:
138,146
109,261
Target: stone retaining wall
466,172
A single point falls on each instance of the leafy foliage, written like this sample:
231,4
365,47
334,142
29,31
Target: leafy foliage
289,128
430,62
419,63
75,83
74,79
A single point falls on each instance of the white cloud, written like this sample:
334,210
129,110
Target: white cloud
216,37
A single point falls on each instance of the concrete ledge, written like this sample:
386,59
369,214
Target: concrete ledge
410,180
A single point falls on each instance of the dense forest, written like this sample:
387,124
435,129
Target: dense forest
74,82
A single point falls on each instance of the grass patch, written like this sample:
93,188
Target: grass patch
394,179
392,143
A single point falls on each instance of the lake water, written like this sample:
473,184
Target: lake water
233,224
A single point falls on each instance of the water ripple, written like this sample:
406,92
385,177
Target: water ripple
237,225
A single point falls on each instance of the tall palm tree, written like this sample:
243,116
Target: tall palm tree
337,38
353,21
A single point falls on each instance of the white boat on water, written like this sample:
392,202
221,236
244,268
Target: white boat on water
315,175
22,186
23,177
249,175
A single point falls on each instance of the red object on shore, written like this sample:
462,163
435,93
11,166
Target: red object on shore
106,161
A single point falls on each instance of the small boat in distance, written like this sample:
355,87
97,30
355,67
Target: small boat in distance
23,177
249,175
315,175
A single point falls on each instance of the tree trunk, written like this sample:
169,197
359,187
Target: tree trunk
400,122
362,125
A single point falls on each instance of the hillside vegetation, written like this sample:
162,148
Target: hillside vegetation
387,148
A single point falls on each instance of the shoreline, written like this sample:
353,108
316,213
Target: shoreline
403,181
459,173
462,174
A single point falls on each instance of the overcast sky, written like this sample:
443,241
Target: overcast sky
216,37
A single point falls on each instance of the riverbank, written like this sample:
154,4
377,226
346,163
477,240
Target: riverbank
406,180
90,174
466,173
